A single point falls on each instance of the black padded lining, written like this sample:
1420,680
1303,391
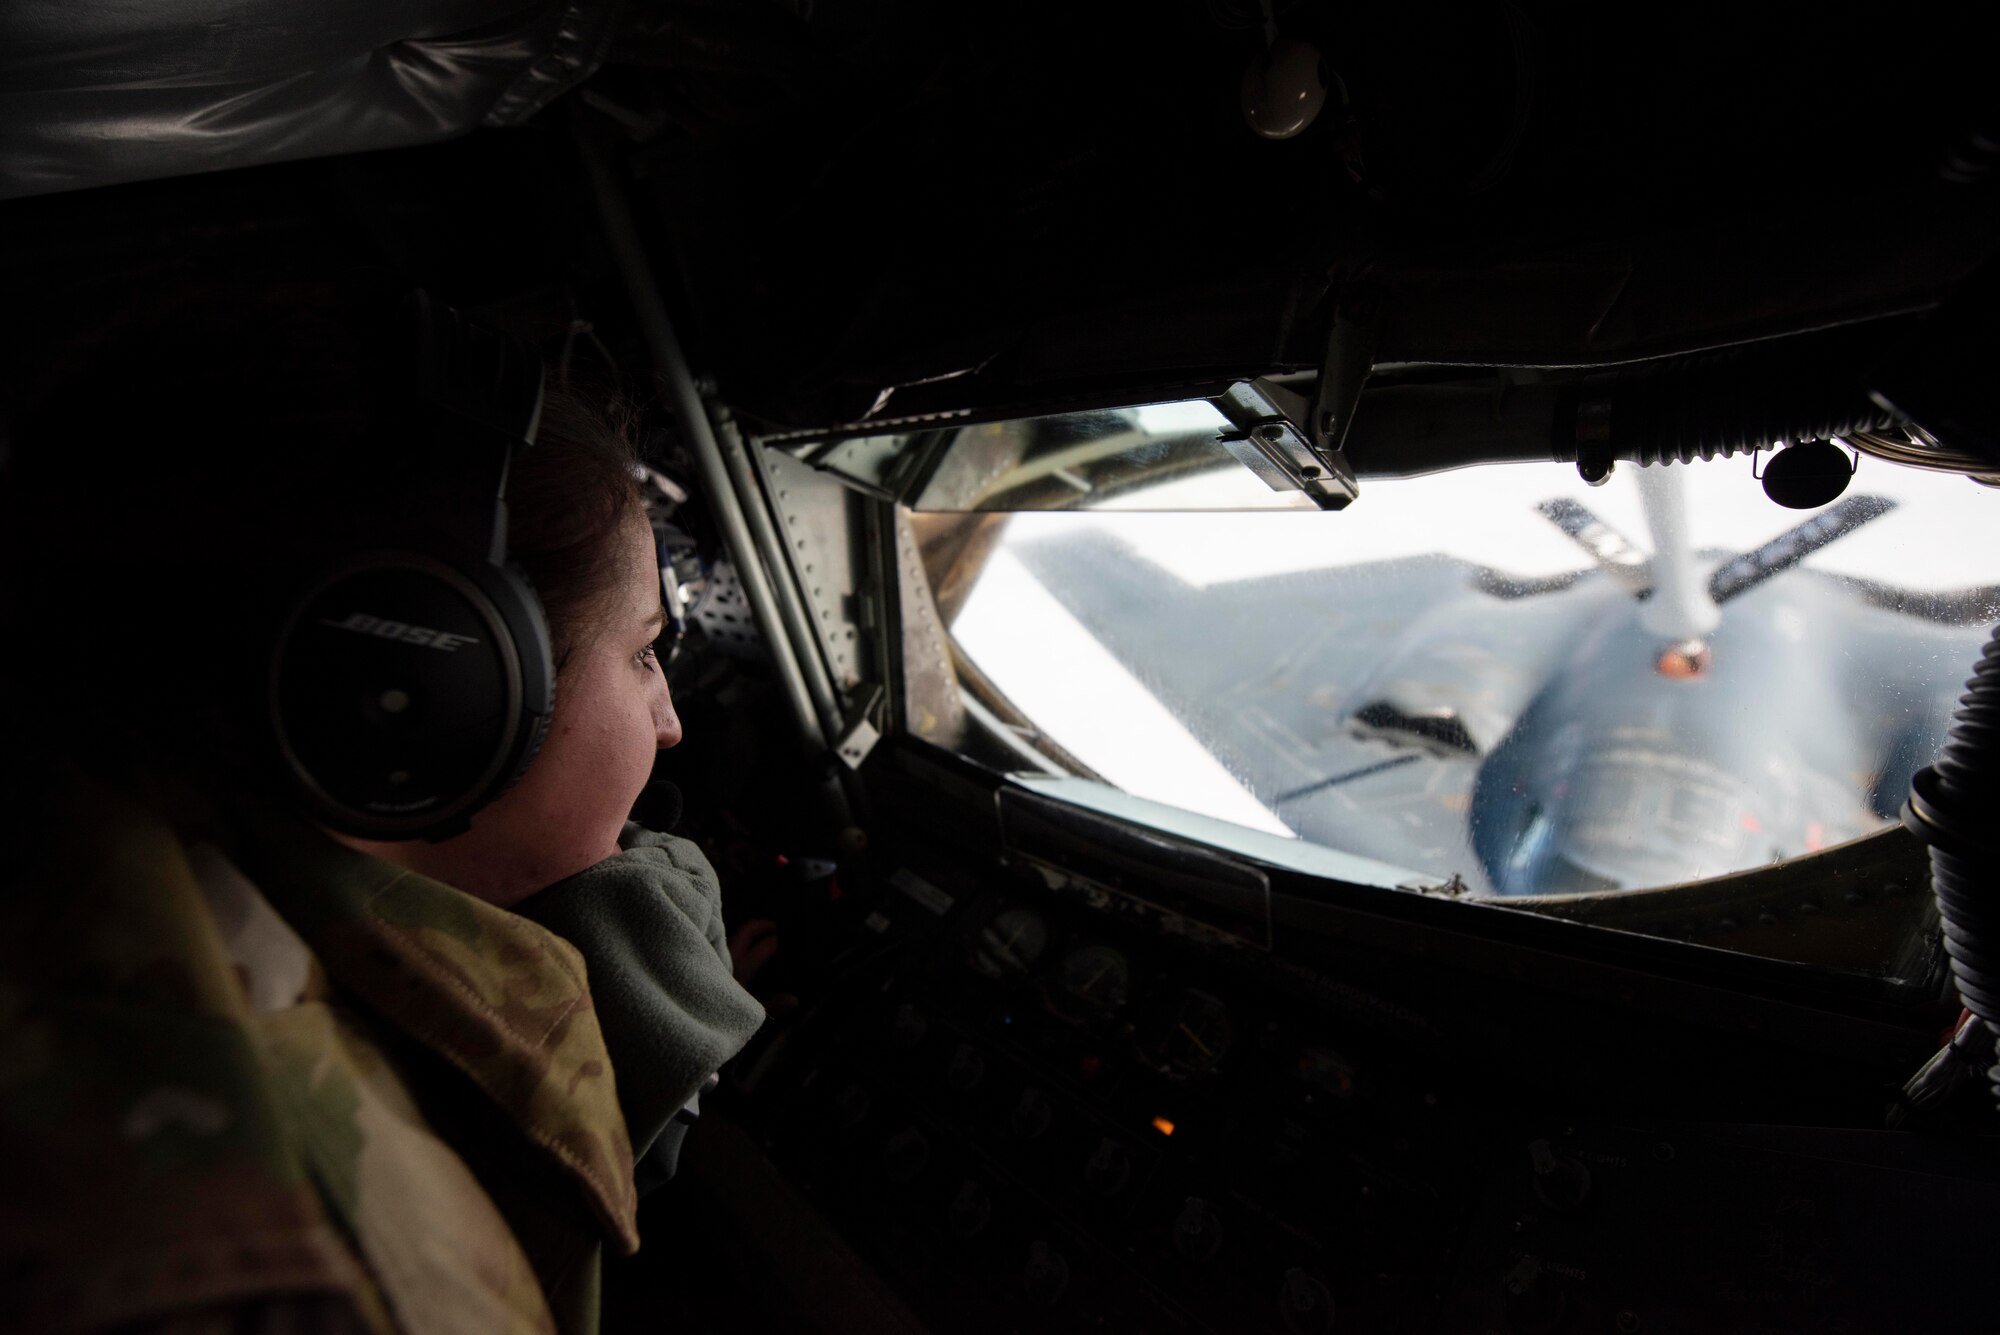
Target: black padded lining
95,94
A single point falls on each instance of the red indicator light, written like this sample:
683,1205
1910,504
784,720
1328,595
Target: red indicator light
1163,1126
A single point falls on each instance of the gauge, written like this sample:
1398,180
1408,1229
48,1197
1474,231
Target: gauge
1093,982
1010,943
1196,1036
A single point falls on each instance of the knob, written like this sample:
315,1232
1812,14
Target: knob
1304,1304
1046,1276
1808,474
1284,89
1197,1230
965,1069
906,1155
908,1026
970,1211
850,1105
1562,1183
1032,1114
1109,1169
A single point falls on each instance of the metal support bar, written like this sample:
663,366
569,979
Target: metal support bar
622,231
753,487
885,623
1350,359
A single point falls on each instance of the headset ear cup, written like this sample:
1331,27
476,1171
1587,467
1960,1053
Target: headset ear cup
408,688
406,693
514,597
516,604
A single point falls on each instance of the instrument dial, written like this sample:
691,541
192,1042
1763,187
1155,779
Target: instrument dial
1010,943
1194,1039
1094,982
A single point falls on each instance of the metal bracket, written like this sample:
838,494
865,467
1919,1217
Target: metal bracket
1291,442
1271,442
858,742
861,734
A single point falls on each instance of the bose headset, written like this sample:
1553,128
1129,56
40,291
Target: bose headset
412,682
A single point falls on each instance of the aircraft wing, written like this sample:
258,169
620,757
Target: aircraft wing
1615,554
1794,545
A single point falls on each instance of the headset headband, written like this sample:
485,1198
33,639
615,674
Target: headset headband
412,682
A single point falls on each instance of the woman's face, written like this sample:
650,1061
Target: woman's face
612,714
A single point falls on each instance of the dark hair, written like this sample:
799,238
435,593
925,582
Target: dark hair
188,461
568,501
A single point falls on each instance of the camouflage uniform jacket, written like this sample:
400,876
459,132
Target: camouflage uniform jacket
292,1088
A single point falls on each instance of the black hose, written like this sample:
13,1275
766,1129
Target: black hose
1683,433
1747,399
1952,808
1733,401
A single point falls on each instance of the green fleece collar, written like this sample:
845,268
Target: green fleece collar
649,921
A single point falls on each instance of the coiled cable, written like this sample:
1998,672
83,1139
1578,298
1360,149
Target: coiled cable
1952,806
1913,447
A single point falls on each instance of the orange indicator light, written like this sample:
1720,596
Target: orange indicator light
1163,1126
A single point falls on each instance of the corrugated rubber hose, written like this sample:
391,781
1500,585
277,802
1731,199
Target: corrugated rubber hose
1953,807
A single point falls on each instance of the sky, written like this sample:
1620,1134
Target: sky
1944,533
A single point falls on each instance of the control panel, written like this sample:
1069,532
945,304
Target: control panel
1035,1109
1048,1117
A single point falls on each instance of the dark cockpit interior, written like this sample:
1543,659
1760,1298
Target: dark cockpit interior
1340,655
